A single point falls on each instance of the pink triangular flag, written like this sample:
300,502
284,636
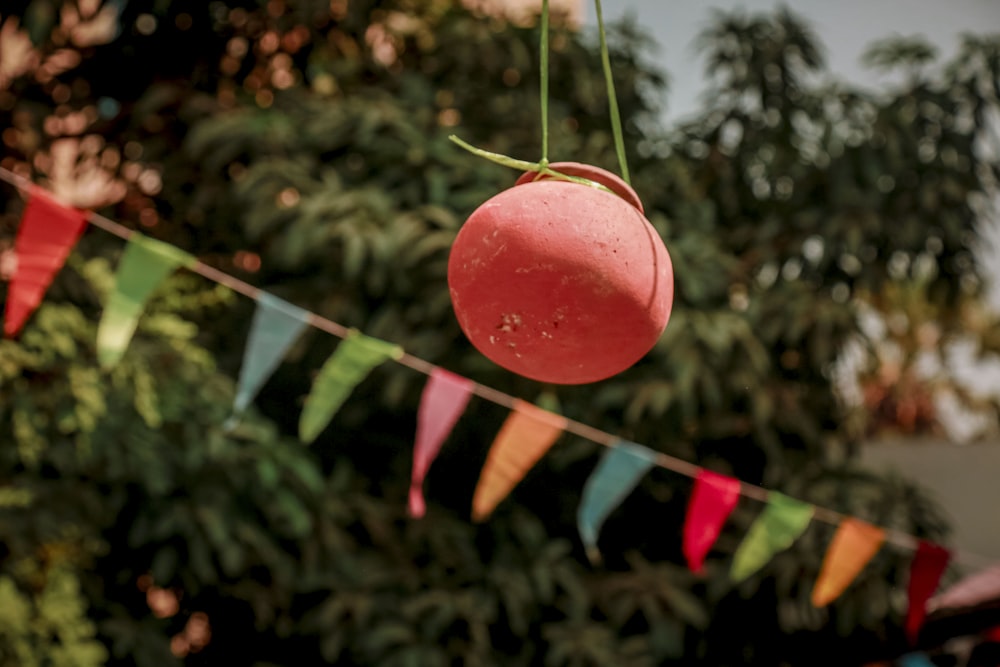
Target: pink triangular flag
444,400
47,234
712,501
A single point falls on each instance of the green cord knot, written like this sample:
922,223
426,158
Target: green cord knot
541,168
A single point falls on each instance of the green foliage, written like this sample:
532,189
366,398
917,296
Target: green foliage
51,626
306,152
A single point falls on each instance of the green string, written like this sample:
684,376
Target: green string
545,82
616,121
524,165
542,166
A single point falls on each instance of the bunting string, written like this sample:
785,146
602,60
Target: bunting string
894,537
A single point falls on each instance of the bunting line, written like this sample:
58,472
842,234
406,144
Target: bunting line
712,500
776,528
40,254
928,566
525,437
355,357
620,470
853,546
144,265
275,327
442,403
894,537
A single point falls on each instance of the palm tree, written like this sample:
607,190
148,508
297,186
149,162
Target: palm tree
760,60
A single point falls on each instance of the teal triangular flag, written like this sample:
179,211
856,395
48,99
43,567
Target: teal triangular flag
915,660
276,325
144,265
615,477
781,522
349,364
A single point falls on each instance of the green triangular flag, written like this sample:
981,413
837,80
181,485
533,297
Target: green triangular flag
783,520
349,364
144,265
615,477
276,325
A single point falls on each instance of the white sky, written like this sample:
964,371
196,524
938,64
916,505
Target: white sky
845,27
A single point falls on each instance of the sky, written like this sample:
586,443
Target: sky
846,28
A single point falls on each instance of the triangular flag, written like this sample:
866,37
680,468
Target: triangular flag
915,660
781,522
712,501
47,234
350,363
974,590
614,478
144,265
443,401
525,436
929,564
276,326
854,544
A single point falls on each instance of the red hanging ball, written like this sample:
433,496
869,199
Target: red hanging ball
559,281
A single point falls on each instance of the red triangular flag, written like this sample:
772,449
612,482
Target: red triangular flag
929,564
45,238
442,403
712,501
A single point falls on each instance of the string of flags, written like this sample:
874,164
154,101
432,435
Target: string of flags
49,230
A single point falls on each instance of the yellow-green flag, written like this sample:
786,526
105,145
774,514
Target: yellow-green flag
781,522
349,364
144,265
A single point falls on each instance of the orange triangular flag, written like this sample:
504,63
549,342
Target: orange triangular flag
854,544
526,435
45,238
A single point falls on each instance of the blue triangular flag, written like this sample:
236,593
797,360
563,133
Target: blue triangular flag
615,477
276,325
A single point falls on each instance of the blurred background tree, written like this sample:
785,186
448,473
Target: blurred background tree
303,147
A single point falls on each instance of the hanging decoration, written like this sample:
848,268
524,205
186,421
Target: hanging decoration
524,438
854,544
526,435
561,282
144,265
443,401
928,566
276,326
781,522
561,278
616,476
355,357
47,234
712,501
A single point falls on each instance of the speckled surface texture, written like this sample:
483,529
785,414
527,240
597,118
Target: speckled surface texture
561,282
